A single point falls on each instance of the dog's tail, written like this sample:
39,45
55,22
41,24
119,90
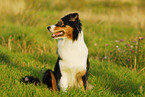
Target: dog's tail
48,79
31,79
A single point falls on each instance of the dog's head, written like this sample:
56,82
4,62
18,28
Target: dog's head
67,27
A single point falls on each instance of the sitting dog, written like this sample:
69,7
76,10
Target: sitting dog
71,68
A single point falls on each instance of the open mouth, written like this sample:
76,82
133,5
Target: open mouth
57,34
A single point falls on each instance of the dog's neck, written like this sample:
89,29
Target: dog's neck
70,50
79,39
68,47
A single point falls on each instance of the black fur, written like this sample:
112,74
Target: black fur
57,72
85,77
47,78
76,25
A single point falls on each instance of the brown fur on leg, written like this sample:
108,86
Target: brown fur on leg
54,85
80,81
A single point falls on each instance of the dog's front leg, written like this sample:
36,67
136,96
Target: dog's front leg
64,82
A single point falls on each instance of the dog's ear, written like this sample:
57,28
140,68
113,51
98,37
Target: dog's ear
74,17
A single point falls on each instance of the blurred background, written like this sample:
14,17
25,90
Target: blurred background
40,12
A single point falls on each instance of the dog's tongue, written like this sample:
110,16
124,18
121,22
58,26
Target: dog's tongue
57,34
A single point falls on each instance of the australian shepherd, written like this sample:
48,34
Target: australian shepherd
71,68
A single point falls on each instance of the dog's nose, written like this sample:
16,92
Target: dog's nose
48,27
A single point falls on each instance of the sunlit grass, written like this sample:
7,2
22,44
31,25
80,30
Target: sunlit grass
113,31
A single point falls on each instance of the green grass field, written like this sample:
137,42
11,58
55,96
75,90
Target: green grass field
114,32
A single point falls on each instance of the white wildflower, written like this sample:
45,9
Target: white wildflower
105,57
116,41
117,46
131,46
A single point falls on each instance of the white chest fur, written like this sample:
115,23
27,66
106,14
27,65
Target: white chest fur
73,53
74,58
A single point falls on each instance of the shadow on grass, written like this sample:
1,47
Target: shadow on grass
7,60
46,58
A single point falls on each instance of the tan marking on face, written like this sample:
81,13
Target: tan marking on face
62,23
56,29
68,31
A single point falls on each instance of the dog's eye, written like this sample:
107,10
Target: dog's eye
60,23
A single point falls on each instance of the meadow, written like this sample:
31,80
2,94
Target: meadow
114,32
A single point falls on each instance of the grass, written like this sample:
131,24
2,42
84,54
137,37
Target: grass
113,31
